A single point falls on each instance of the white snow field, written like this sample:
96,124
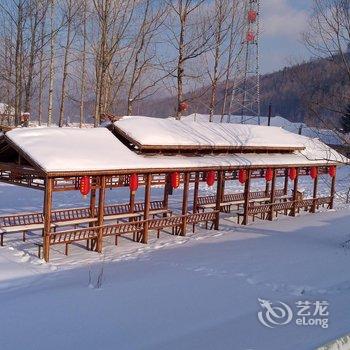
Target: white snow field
195,292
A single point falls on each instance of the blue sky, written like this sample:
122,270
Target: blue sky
282,23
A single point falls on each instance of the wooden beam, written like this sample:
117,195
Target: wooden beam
147,207
185,202
246,197
195,192
272,194
218,198
100,215
47,218
295,193
314,196
331,205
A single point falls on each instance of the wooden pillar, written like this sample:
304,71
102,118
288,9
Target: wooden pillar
92,204
285,189
295,193
47,217
185,202
166,191
195,192
272,194
331,205
100,214
267,188
218,198
314,196
246,197
223,186
147,207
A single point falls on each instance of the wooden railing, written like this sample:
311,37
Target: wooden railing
62,215
237,197
119,229
276,207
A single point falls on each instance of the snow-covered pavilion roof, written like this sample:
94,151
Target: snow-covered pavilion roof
171,134
98,151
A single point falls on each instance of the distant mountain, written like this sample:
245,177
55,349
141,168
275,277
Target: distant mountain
289,91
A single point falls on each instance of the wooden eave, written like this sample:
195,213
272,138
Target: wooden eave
57,174
35,166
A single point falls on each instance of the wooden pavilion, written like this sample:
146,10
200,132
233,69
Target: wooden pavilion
150,152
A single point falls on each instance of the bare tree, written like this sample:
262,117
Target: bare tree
71,7
143,54
190,35
113,20
52,61
220,32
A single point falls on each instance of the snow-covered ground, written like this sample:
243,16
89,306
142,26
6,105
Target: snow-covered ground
201,291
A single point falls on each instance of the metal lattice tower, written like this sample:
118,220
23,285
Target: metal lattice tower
246,85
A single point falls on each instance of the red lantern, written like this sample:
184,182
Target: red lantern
85,186
250,37
242,176
268,174
332,171
183,106
252,15
292,173
134,182
210,178
314,172
175,180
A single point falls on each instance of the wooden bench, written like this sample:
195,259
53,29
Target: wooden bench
25,222
235,199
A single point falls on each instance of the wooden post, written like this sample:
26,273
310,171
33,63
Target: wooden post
285,189
218,198
272,194
267,188
47,217
147,207
295,193
331,204
246,197
100,215
166,192
195,192
132,201
185,202
314,196
92,202
223,186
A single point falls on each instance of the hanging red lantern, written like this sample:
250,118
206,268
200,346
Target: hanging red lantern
210,178
268,174
183,106
252,15
242,176
332,171
250,37
314,172
133,183
175,180
85,185
292,173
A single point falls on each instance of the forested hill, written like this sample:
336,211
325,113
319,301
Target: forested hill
290,91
